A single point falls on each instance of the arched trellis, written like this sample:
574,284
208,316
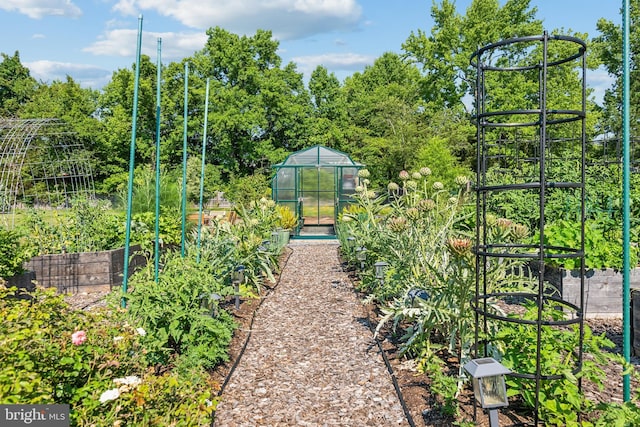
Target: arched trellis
42,163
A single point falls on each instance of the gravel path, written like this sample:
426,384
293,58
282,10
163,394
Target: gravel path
311,359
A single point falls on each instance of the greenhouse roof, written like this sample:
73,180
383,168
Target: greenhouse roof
318,156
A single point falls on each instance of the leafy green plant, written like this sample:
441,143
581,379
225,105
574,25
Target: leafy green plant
602,249
143,228
13,253
287,219
89,225
443,384
560,400
95,362
618,414
171,310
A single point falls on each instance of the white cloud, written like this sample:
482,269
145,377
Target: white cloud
287,19
175,46
88,76
599,80
37,9
333,62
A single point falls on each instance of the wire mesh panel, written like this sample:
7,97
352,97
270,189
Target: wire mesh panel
42,163
530,115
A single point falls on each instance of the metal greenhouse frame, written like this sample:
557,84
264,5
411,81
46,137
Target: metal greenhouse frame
316,183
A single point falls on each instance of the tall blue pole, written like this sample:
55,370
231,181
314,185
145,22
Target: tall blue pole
132,156
626,335
204,146
184,158
157,224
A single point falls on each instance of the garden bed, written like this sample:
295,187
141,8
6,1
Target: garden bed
602,289
421,403
85,271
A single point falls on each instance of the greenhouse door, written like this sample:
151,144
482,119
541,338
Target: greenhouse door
318,195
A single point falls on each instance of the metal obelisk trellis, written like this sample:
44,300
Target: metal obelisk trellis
536,170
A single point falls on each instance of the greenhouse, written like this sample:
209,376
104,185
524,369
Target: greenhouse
316,183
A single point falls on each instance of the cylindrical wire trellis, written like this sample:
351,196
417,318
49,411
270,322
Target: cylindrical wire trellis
531,143
42,163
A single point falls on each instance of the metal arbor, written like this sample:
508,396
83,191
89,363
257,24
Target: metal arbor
42,163
531,146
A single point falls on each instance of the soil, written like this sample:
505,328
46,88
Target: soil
421,404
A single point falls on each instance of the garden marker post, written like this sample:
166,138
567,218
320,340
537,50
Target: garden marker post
626,335
184,157
156,257
132,157
204,147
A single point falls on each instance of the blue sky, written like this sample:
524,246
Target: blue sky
89,39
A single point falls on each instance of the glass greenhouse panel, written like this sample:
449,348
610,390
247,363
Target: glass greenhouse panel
319,180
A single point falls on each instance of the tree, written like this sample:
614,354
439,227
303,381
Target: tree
115,112
75,106
444,55
608,47
16,85
258,111
329,113
385,114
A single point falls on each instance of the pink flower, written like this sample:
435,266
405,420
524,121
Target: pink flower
78,337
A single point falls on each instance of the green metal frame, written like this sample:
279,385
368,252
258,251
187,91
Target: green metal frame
290,187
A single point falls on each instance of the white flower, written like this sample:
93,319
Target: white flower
208,403
141,332
130,380
108,395
117,339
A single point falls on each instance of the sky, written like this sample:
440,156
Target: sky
90,39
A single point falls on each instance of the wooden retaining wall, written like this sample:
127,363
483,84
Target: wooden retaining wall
85,271
602,289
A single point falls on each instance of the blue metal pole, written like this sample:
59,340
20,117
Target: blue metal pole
204,146
157,224
132,156
184,158
626,335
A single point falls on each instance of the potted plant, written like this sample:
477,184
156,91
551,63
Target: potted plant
287,220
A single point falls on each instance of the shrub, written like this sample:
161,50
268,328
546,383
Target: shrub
13,253
171,309
95,362
244,190
89,225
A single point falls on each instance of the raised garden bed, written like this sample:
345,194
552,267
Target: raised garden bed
84,271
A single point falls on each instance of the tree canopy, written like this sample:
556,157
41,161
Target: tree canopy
408,108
